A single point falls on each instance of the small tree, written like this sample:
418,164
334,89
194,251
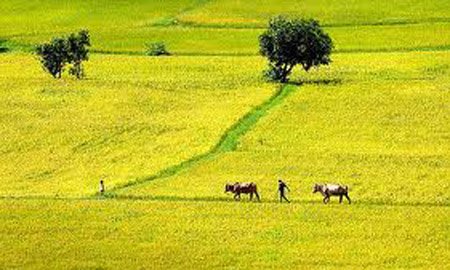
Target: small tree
157,49
61,51
288,42
53,56
77,52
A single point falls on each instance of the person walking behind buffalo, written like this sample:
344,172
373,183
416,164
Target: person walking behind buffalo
102,187
282,187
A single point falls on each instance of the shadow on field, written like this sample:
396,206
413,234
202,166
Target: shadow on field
3,47
165,198
335,81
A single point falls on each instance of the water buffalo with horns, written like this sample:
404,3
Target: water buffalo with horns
328,190
246,188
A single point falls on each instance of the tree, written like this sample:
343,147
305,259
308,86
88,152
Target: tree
157,49
61,51
288,42
77,52
53,56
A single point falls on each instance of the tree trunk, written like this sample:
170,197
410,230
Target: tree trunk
78,70
286,70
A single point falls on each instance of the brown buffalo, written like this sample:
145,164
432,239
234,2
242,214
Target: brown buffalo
246,188
328,190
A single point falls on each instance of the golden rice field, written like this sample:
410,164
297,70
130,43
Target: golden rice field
167,133
383,128
132,117
134,234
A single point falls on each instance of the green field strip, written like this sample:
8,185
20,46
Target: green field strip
140,53
245,199
191,41
14,46
193,54
224,199
231,54
262,26
395,50
227,143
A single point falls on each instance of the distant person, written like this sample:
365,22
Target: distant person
102,187
282,187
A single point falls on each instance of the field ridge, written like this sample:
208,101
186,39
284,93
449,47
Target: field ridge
437,48
227,143
262,26
213,199
369,202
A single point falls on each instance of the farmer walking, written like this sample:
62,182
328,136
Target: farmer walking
282,187
102,187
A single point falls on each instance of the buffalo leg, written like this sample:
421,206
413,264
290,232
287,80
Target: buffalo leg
340,198
237,196
348,198
251,196
257,196
326,199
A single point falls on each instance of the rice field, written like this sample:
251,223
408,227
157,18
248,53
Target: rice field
136,234
130,118
167,133
381,128
192,41
225,27
335,13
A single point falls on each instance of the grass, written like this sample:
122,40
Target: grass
200,27
29,17
110,234
336,13
20,18
223,41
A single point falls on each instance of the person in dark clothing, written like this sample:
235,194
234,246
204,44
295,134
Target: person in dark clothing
102,187
282,187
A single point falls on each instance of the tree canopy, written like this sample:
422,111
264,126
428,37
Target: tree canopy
60,51
289,42
77,51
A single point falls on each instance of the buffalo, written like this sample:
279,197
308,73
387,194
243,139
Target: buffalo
246,188
328,190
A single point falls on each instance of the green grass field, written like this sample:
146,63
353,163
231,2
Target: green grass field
167,133
336,12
